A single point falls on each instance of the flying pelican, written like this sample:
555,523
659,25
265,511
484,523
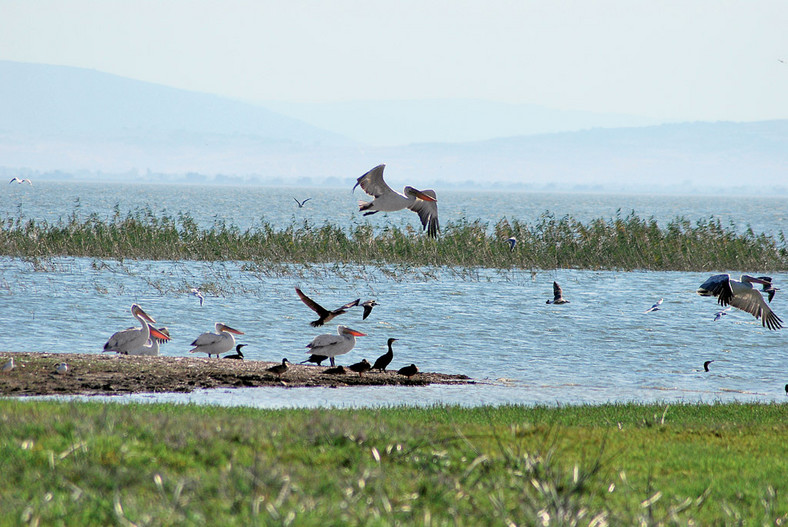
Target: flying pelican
216,343
151,348
238,355
512,242
279,369
198,294
706,365
368,305
20,181
423,203
360,367
558,295
741,295
301,203
133,339
333,345
655,307
408,371
324,314
316,359
8,366
719,314
384,360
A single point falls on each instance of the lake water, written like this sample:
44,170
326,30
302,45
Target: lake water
491,325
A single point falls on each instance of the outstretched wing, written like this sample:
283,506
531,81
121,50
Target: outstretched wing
314,306
557,293
372,182
751,301
428,212
718,285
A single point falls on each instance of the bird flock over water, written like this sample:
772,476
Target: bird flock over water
146,339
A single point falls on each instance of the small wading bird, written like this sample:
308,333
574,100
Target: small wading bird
315,359
424,203
384,360
368,305
301,203
655,307
360,367
558,295
8,366
215,343
324,314
741,295
238,355
512,242
20,181
706,365
279,369
334,345
151,348
408,371
133,339
198,294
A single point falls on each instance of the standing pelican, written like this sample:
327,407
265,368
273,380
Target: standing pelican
424,203
334,345
216,343
368,305
741,295
151,348
324,314
384,360
655,307
132,339
558,295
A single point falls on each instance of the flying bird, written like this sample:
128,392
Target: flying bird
334,345
741,295
384,360
768,288
132,339
279,369
301,203
368,305
215,343
324,314
706,365
424,203
512,242
315,359
20,181
8,366
408,371
558,295
151,348
719,314
238,355
198,294
360,367
655,307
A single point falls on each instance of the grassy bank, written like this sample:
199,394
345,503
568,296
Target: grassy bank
623,242
80,464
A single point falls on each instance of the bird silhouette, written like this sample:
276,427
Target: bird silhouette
384,360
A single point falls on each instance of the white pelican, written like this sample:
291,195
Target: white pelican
368,305
301,203
558,295
216,343
151,348
741,295
20,181
424,203
655,307
198,294
132,339
324,314
382,362
333,345
8,366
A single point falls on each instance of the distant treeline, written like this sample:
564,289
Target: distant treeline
624,242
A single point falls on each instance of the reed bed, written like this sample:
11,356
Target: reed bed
624,242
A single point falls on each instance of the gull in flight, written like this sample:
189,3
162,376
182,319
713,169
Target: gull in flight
742,295
198,294
655,307
424,203
301,203
512,242
20,181
719,314
324,314
558,295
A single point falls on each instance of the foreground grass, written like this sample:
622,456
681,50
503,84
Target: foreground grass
106,464
618,243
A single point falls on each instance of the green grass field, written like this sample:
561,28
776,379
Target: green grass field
623,242
628,464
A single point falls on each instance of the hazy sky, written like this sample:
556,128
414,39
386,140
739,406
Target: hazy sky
672,60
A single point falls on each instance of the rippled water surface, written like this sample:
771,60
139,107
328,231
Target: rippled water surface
491,325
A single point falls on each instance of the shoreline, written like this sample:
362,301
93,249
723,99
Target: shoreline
112,374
